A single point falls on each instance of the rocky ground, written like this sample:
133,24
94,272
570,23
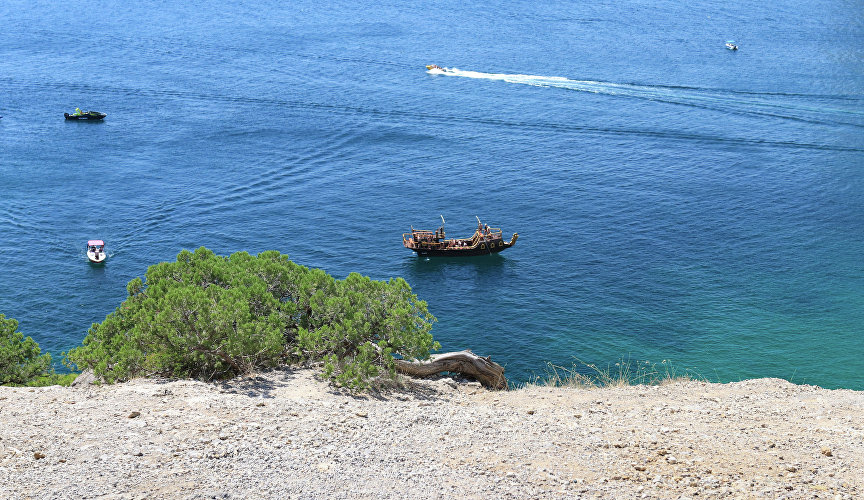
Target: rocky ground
285,434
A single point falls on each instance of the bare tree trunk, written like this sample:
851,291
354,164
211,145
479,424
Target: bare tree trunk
487,372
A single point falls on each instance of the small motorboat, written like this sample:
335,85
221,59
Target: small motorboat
434,66
85,115
96,251
485,241
730,44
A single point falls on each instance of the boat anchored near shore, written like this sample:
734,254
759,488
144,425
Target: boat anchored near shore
485,241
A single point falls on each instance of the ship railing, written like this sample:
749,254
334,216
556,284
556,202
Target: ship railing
494,233
420,238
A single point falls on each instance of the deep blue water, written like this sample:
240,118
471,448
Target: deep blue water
675,200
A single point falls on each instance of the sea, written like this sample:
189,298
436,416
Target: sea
678,204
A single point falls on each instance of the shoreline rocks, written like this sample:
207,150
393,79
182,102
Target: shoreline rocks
286,434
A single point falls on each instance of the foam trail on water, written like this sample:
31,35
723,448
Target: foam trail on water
779,106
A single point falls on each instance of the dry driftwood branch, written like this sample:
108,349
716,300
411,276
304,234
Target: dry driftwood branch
487,372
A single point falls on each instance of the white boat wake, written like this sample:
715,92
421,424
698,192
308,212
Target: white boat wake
780,105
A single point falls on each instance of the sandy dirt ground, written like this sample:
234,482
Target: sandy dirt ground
286,434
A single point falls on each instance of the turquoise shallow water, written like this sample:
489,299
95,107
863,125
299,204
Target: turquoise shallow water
675,200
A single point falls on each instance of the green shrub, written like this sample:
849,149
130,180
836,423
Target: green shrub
64,379
356,326
206,316
20,358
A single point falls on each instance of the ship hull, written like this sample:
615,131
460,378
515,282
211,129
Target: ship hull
481,249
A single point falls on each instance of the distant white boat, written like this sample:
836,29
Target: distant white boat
730,44
96,251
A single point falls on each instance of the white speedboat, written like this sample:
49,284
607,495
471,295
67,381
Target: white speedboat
96,251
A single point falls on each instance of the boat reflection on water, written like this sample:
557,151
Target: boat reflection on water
459,276
483,262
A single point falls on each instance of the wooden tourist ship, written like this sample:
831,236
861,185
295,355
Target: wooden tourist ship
485,241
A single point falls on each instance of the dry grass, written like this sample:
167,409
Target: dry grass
624,373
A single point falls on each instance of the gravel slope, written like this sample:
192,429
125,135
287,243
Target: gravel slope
284,434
